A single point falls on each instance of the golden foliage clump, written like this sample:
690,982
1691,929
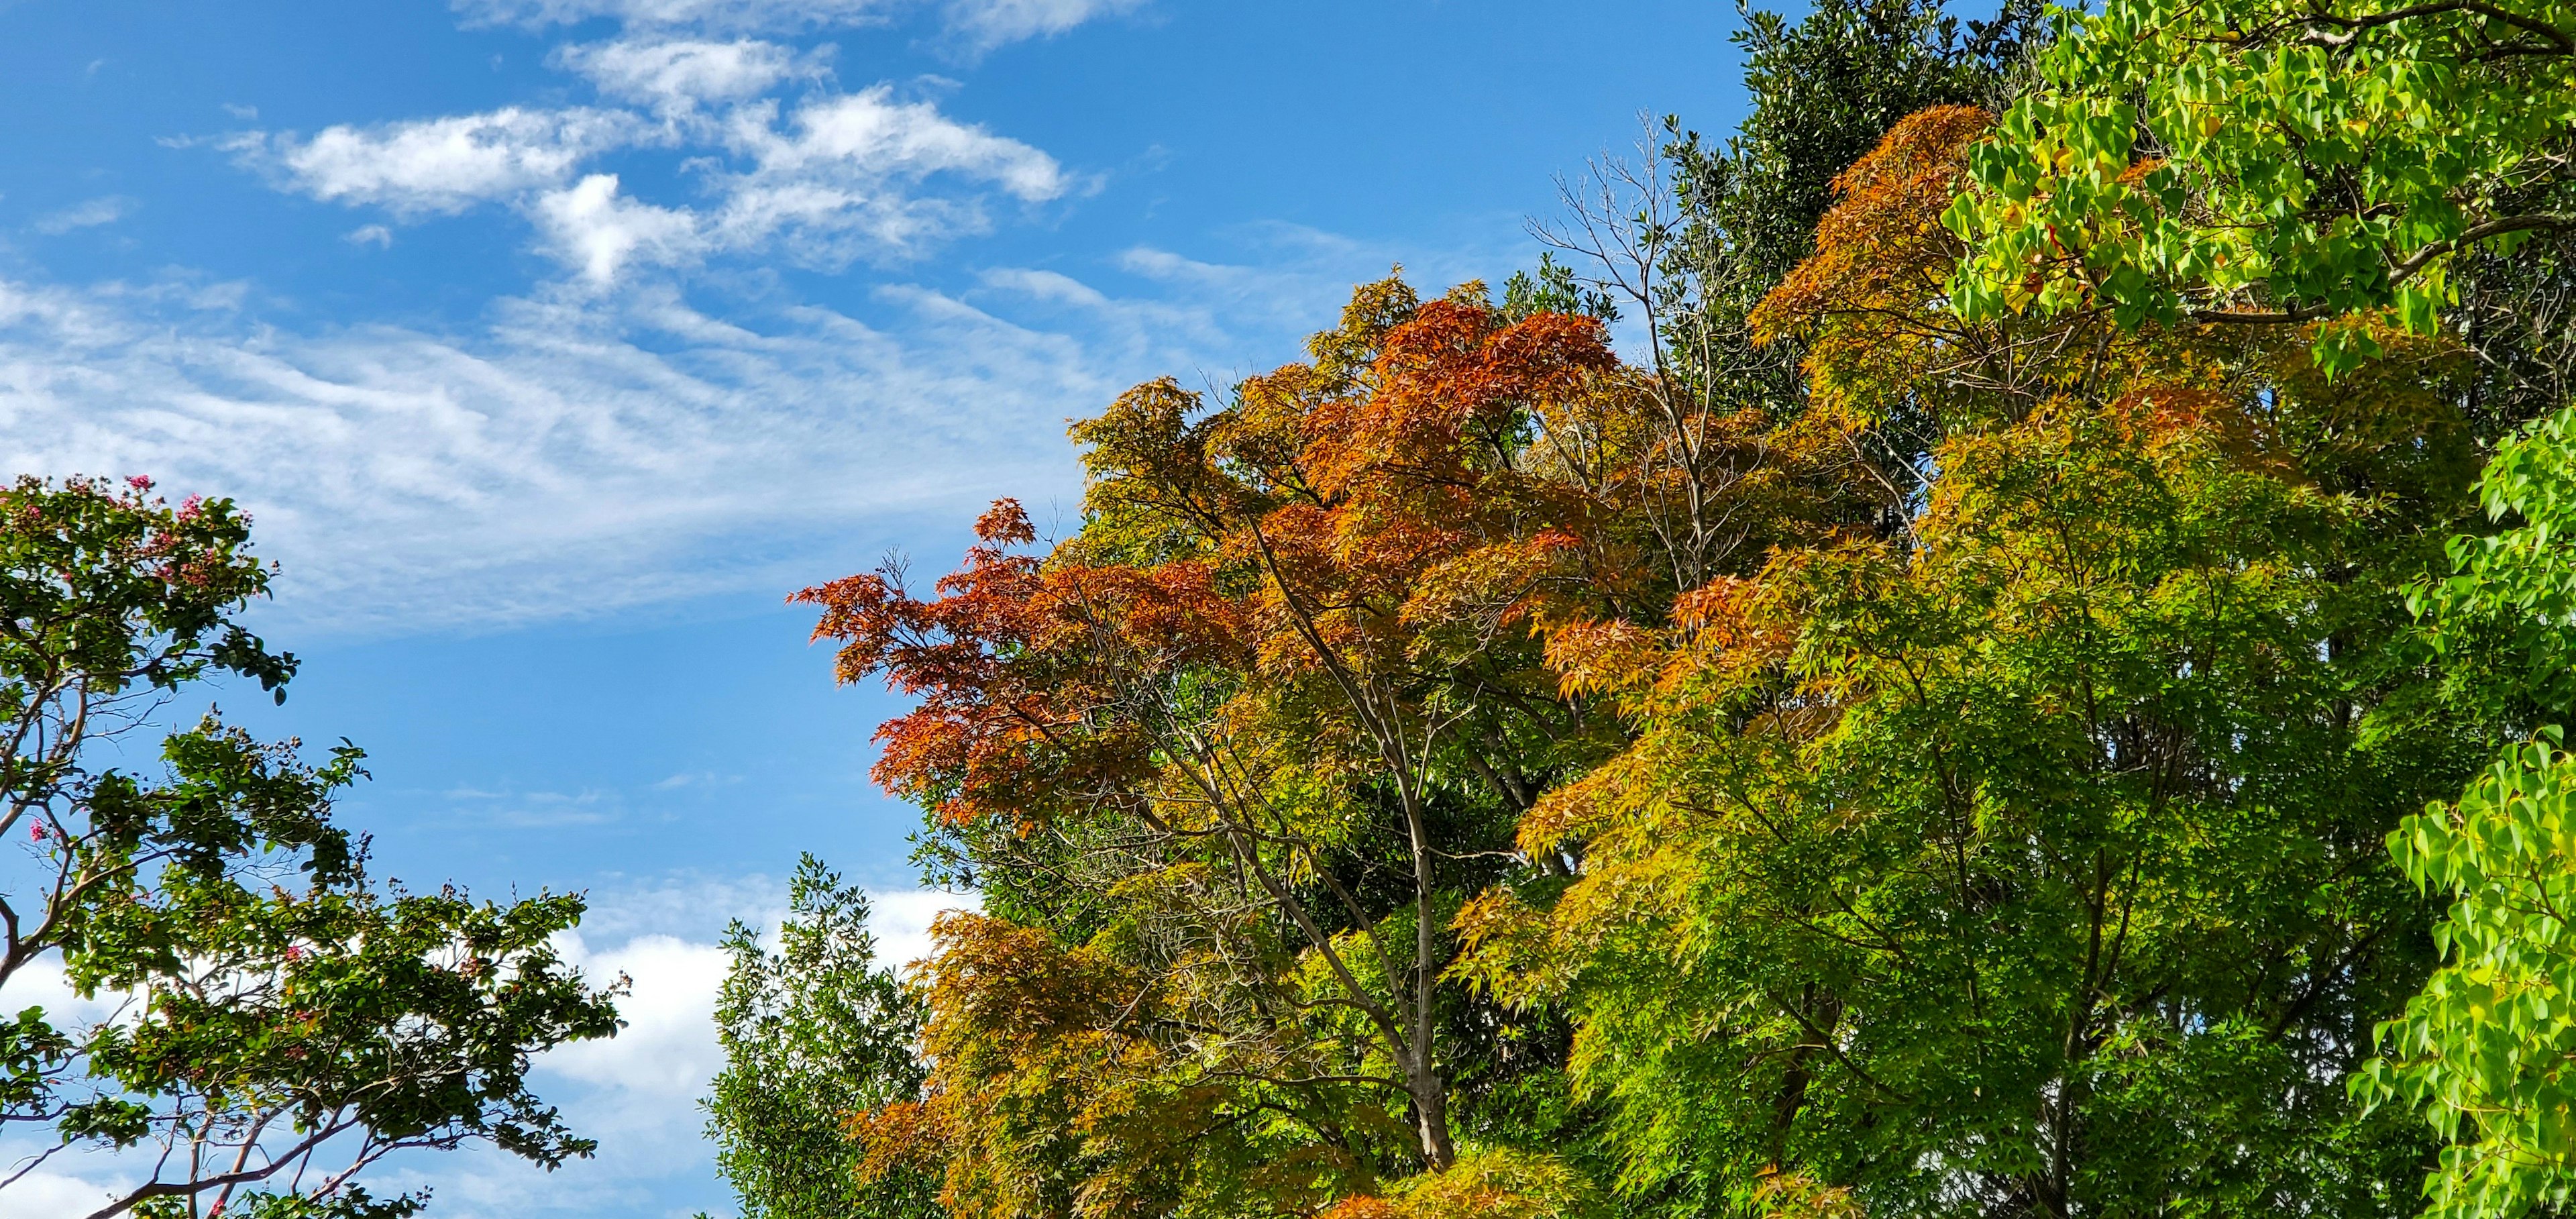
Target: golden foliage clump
1485,1183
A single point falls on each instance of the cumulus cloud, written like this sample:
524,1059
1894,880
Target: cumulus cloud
839,178
443,165
88,214
871,134
667,1051
597,230
637,1092
47,1193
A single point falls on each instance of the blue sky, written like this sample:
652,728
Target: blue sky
551,342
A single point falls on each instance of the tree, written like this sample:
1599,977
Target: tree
283,1022
2356,165
1689,240
2484,1049
815,1035
2273,162
2024,857
1226,761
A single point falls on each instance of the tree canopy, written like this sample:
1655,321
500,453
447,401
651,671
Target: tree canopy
280,1021
2028,686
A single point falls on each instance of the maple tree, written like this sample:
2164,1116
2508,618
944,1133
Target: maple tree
1940,730
1247,740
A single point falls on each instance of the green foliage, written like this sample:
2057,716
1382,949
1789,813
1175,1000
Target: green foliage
2272,160
2486,1049
2032,863
2499,620
2256,161
283,1021
814,1034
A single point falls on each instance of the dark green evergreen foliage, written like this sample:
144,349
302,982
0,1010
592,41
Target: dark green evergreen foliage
813,1034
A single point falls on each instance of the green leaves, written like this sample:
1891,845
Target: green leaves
814,1034
282,1021
2270,161
2488,1049
2485,1049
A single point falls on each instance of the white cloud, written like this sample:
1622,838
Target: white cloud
870,134
727,15
841,180
375,235
587,452
580,456
49,1194
843,177
681,74
900,920
443,164
596,230
638,1092
91,213
990,23
667,1051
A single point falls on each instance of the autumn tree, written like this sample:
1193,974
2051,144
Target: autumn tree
2023,854
2369,168
1685,240
280,1021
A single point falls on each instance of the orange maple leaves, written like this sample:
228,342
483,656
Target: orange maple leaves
1319,523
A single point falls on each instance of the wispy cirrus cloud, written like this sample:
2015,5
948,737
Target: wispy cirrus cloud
572,459
87,214
987,24
583,453
742,16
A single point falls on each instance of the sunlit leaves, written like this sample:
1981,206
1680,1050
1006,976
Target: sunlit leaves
2488,1050
2262,161
282,1022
